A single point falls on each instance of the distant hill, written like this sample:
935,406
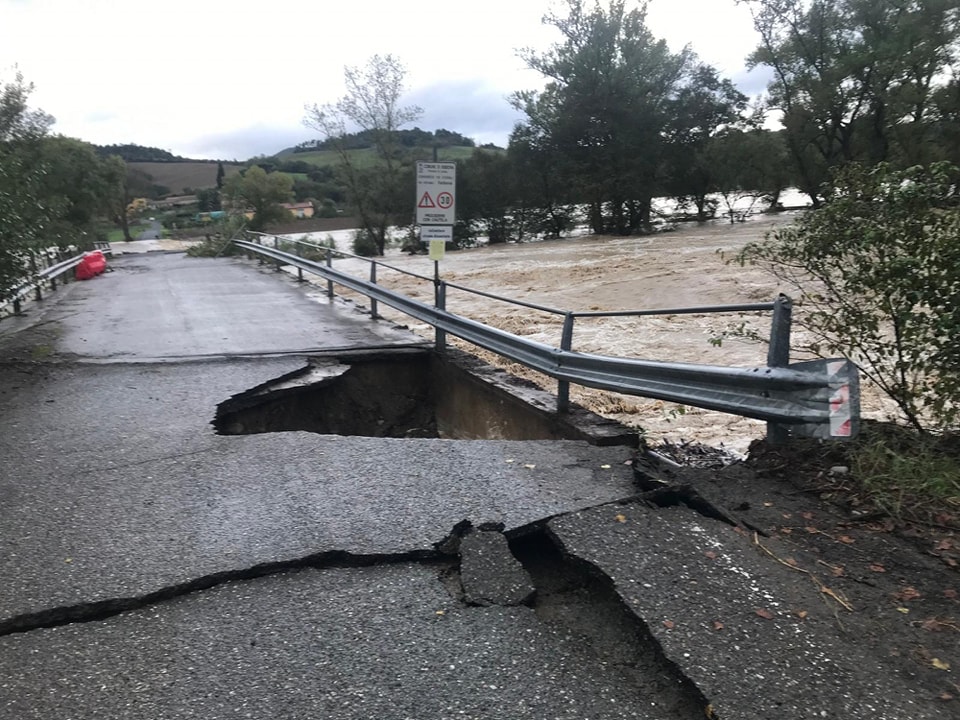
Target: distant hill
415,138
364,156
184,176
140,153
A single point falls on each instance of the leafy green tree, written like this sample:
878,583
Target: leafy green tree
24,213
855,79
748,164
487,188
877,273
260,192
221,174
372,104
208,200
604,108
75,188
946,131
543,191
703,105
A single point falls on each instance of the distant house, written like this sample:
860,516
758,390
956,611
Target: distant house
299,210
209,216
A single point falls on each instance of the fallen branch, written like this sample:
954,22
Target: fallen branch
816,581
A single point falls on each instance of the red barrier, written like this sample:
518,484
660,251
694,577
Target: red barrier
93,264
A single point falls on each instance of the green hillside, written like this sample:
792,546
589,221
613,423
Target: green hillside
178,176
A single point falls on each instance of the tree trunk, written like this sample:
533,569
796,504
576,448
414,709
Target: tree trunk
596,217
125,226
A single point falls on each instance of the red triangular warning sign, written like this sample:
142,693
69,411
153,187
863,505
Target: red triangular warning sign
426,201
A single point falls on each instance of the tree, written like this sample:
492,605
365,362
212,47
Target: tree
543,191
123,184
260,192
877,272
604,107
748,164
704,105
75,188
854,79
24,214
220,175
371,104
946,130
208,200
488,192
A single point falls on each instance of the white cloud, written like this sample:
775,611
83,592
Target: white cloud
218,78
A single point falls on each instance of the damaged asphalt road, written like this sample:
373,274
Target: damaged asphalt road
154,569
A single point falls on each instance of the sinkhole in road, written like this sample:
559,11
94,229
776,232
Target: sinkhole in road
408,393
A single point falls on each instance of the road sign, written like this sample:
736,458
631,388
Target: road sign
436,193
436,238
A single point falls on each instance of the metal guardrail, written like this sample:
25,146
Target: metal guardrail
819,398
41,277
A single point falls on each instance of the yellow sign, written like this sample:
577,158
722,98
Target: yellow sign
437,249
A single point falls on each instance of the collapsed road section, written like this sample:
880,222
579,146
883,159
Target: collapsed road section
406,393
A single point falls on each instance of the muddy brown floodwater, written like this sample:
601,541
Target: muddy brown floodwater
681,268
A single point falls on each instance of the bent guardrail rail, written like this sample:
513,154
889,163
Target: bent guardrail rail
819,398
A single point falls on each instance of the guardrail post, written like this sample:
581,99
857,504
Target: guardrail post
778,355
330,265
299,253
38,293
441,335
49,262
373,281
563,386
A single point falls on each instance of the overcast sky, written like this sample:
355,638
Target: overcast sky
229,79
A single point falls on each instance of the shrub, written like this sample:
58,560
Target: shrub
876,273
364,244
213,246
316,250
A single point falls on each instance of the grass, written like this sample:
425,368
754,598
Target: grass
889,470
906,474
116,234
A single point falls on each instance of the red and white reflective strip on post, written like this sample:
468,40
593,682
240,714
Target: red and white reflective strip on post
841,418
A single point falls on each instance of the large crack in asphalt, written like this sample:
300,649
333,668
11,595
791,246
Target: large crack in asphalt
443,551
526,565
105,609
580,598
